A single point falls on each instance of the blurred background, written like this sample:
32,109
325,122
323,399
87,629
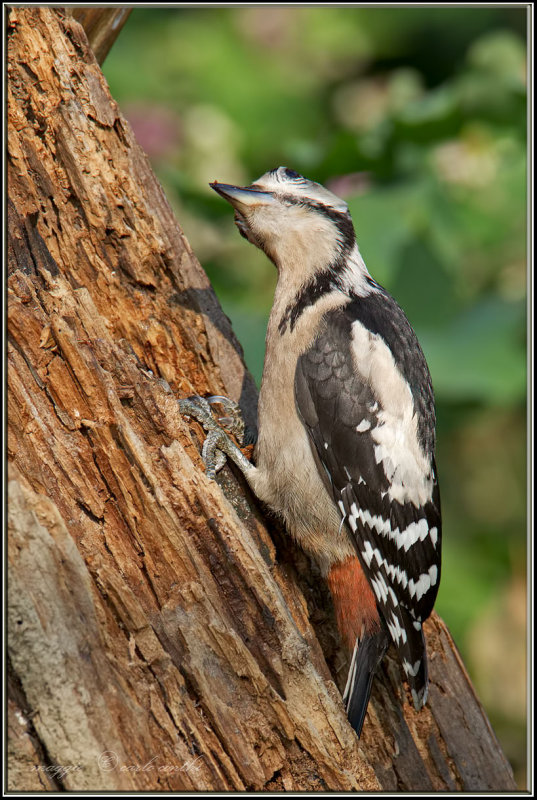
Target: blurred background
417,117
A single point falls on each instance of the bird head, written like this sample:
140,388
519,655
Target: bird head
292,219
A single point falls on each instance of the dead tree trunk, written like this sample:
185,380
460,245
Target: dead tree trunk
101,25
157,640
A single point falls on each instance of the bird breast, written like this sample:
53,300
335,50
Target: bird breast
287,477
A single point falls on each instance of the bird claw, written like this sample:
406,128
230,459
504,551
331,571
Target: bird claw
217,447
233,422
213,457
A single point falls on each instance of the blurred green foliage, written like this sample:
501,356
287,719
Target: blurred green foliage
417,116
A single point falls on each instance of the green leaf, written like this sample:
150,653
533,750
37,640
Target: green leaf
480,355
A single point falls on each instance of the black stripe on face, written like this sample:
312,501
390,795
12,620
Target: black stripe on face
343,222
321,284
329,279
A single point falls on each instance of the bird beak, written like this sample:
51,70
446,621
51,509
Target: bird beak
242,198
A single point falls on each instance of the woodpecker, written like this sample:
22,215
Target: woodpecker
346,428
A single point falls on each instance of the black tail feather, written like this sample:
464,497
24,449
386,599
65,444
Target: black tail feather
367,655
413,656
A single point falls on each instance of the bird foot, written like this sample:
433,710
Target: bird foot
233,421
218,446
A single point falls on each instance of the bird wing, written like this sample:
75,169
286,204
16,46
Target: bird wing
363,393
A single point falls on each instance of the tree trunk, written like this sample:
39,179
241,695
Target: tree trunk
102,26
158,640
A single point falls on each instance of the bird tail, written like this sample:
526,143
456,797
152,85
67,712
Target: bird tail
367,655
413,655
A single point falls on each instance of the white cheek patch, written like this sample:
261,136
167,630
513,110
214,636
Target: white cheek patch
301,241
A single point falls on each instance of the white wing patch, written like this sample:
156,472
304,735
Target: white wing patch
433,533
416,531
397,574
397,633
395,436
379,587
371,520
378,565
424,583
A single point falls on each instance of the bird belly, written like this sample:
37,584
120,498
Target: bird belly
288,481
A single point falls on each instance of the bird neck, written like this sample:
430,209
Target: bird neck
346,276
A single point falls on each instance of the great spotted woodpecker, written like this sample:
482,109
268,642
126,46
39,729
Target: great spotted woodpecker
345,451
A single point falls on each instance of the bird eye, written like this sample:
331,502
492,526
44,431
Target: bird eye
291,173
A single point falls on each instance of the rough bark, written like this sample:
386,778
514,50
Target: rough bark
157,637
102,26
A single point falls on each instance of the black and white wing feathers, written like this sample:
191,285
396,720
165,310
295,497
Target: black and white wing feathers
364,394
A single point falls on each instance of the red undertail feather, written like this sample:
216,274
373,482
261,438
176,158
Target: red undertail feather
360,627
354,601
